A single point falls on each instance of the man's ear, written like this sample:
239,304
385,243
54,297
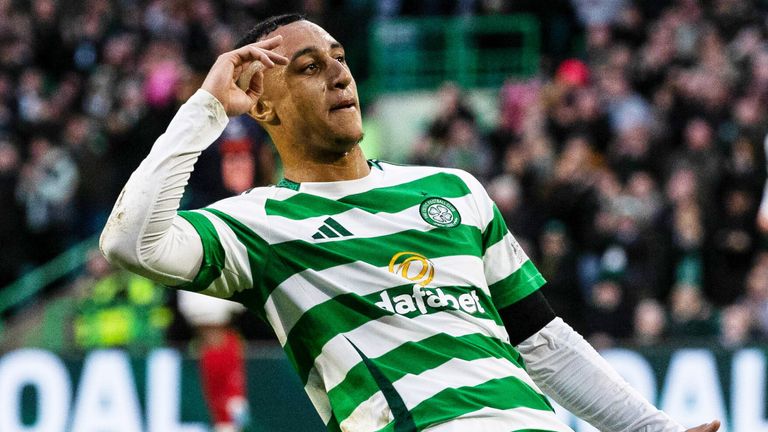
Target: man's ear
263,112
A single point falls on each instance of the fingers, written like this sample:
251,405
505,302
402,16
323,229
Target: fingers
270,43
714,426
248,54
261,51
707,427
236,77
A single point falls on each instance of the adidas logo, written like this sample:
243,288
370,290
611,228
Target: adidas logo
331,229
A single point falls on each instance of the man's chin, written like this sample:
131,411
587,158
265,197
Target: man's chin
348,139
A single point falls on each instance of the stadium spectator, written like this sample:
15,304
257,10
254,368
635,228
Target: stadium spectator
735,326
47,187
117,308
89,150
14,249
650,323
557,263
691,316
221,359
756,295
608,310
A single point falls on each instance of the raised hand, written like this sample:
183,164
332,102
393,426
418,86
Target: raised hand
222,78
707,427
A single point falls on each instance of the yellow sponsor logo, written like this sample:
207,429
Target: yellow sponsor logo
412,266
418,269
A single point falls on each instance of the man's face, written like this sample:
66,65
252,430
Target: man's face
314,97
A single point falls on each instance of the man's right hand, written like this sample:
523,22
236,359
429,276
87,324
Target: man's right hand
221,80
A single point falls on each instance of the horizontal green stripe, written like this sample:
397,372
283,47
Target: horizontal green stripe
504,394
391,199
516,286
298,255
414,358
533,430
213,252
314,329
495,231
258,256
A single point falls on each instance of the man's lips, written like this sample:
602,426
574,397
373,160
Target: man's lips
345,104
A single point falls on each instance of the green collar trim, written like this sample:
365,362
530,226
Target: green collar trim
292,185
374,163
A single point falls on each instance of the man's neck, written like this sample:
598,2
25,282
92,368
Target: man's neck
347,166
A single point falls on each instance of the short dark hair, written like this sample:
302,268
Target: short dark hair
268,26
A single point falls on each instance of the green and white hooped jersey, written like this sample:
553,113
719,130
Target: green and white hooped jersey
384,293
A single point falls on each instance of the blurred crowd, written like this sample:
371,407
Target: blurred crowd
631,169
633,174
85,88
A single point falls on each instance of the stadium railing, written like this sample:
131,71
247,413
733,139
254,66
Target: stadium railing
473,51
31,284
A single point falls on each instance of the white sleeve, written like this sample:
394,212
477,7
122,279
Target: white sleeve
572,373
144,233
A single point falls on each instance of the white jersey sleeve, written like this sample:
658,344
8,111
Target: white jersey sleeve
510,274
144,232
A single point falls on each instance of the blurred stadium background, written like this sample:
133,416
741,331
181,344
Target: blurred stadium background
623,141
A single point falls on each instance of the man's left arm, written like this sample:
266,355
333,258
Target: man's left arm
557,358
571,372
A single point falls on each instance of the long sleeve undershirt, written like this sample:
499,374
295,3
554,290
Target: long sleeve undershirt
143,232
572,373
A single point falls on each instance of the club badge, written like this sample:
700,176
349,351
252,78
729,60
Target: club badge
440,213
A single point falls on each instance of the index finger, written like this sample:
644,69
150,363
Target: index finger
253,52
270,43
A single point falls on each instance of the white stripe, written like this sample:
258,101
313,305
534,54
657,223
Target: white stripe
309,288
378,337
501,261
455,373
318,396
236,274
363,224
248,208
494,420
372,415
485,206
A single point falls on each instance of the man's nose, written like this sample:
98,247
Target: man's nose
340,76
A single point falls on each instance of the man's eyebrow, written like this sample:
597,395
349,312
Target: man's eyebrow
311,49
